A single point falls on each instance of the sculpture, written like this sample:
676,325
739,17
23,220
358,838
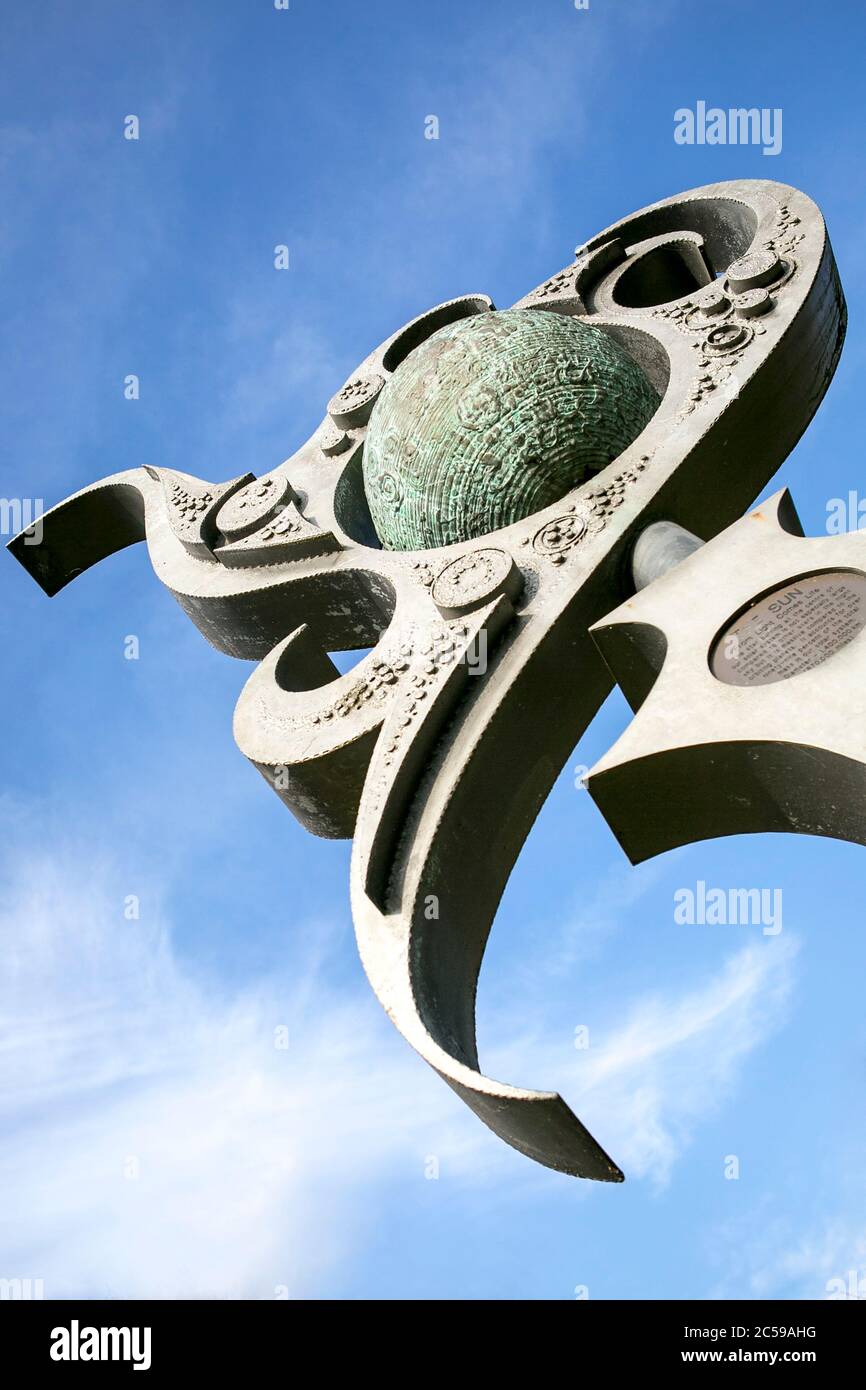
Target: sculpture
483,672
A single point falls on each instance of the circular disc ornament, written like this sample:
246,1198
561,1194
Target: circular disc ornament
792,629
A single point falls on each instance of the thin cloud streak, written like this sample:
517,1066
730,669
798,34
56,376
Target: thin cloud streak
158,1142
645,1085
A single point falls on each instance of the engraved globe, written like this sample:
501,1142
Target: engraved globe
493,418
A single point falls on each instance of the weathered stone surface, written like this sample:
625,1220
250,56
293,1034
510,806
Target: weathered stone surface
749,702
494,418
437,750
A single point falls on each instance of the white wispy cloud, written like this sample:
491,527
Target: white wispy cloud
803,1247
156,1142
658,1065
828,1260
677,1058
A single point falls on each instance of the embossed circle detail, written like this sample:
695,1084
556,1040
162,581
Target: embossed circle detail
727,337
352,405
247,510
560,535
390,490
751,303
474,579
754,270
333,440
713,301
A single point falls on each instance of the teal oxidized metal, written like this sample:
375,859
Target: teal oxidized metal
494,418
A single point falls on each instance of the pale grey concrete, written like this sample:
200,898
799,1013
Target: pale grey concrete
436,761
776,740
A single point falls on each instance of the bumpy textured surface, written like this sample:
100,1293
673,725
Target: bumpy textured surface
437,762
493,418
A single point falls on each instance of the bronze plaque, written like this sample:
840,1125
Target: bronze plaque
792,629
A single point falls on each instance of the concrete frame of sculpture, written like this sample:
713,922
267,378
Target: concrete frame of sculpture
787,753
728,297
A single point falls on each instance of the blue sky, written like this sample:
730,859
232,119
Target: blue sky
154,1140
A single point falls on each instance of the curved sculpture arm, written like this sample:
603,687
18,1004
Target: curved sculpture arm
474,752
84,529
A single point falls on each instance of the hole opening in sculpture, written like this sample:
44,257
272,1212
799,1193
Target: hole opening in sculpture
726,225
662,275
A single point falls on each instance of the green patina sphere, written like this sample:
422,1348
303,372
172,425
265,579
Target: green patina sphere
493,418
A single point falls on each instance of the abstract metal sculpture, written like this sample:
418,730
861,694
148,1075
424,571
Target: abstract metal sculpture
483,673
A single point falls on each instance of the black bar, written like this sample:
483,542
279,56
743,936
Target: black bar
221,1339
